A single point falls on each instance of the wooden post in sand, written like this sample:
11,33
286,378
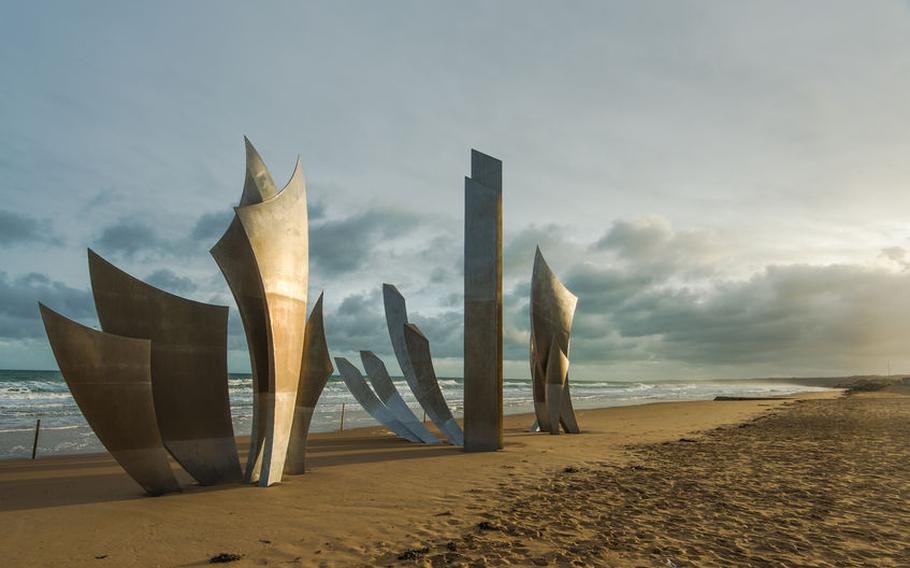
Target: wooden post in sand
35,444
341,427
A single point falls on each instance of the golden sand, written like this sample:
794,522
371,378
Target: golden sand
823,481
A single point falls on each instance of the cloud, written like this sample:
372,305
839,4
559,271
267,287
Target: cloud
652,245
518,250
210,226
169,281
643,307
651,296
343,245
897,255
19,297
358,323
128,238
337,246
16,229
315,209
136,240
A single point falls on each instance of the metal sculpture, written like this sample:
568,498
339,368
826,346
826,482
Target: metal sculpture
235,258
424,385
188,367
422,361
389,395
483,305
369,401
552,312
314,374
264,257
110,379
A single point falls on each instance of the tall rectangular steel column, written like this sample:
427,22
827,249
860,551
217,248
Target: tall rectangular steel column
483,305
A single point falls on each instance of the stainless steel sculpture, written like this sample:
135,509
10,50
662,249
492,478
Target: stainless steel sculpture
422,362
552,312
188,367
424,385
110,379
389,395
483,305
314,374
368,400
556,376
264,257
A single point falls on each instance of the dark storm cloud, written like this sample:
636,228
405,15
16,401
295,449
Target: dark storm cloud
343,245
794,314
210,226
19,297
136,240
337,246
16,228
359,323
126,239
643,303
444,330
170,281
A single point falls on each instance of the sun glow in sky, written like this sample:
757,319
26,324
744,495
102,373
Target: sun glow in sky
724,186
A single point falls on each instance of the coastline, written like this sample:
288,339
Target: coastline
27,396
364,491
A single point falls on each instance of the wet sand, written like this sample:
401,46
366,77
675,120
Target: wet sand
817,481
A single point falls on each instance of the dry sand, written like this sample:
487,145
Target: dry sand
825,482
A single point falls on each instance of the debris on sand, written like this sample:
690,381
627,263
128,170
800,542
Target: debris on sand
224,558
413,553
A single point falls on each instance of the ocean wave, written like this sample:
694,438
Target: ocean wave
26,396
43,428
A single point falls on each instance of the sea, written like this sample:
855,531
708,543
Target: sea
27,396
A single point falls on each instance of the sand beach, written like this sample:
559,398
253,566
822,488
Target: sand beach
818,479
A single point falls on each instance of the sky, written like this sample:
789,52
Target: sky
723,185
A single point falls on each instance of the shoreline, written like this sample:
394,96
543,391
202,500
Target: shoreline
363,489
65,431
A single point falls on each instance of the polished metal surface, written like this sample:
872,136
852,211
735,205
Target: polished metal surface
258,185
264,256
235,259
552,312
483,305
567,412
188,367
435,404
382,383
362,392
424,385
110,379
557,373
314,374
